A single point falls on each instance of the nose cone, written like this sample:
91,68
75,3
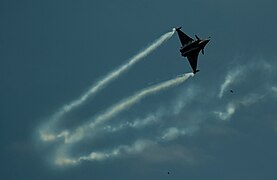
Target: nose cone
205,42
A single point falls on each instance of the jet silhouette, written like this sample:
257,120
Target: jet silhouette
191,48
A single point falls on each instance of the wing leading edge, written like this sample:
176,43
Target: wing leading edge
185,39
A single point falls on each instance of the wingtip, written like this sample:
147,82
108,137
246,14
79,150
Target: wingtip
194,72
176,28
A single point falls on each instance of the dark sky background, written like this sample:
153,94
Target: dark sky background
53,51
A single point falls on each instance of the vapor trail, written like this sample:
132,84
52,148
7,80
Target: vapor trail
108,78
138,96
138,146
114,74
82,131
229,79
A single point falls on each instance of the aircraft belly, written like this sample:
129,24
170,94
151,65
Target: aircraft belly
189,51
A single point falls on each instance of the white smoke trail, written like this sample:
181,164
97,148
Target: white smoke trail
82,131
229,79
138,123
231,107
173,133
240,72
101,84
114,74
113,111
137,147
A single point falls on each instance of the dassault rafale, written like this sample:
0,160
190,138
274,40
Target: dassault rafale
191,48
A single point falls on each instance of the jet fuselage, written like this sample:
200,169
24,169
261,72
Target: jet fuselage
196,45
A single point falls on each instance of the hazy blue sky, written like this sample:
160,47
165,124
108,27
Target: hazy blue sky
51,52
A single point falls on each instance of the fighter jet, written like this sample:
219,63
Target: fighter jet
191,48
